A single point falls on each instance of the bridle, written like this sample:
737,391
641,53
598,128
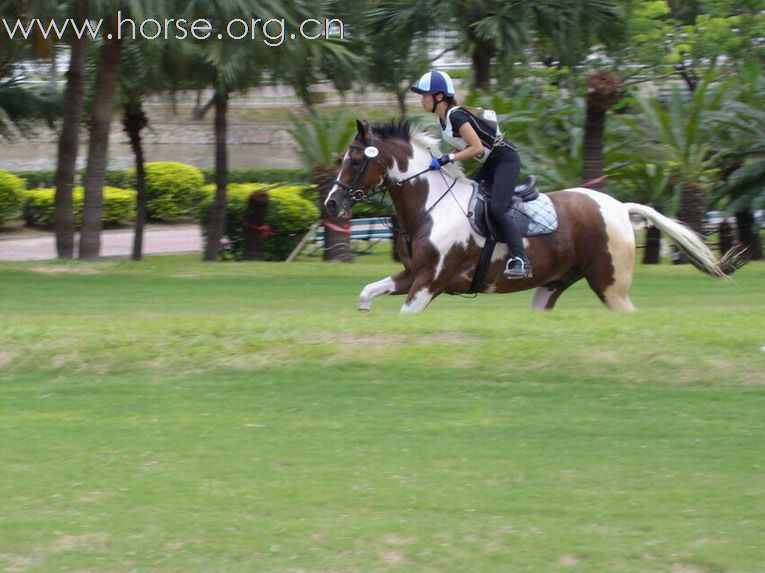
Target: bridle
371,153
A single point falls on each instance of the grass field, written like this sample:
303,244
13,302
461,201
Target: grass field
174,416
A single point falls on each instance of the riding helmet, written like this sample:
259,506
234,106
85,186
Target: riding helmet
434,82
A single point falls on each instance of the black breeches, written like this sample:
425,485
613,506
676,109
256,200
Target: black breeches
502,176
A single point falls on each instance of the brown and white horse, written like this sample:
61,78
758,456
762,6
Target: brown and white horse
440,249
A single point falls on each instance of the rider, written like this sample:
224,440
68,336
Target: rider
473,138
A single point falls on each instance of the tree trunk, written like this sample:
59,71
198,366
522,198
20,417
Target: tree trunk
481,57
337,243
98,147
727,238
134,120
68,144
255,228
748,235
603,91
652,250
692,201
690,212
217,225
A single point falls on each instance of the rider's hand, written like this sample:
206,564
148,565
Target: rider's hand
439,162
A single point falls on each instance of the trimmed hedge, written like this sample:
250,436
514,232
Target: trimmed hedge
11,195
290,216
174,189
119,206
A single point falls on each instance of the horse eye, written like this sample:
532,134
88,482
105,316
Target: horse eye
355,162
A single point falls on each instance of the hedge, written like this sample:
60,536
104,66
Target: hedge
118,206
11,195
289,215
173,189
125,178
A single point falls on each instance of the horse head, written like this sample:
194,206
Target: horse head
365,167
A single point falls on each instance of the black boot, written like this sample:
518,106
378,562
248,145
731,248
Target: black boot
518,267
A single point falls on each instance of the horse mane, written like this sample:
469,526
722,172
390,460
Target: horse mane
395,129
402,129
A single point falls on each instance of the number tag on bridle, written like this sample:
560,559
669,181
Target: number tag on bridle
371,151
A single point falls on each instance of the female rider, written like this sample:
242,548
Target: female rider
473,138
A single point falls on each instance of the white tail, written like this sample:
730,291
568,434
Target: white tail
685,239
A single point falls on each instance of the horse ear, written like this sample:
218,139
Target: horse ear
362,127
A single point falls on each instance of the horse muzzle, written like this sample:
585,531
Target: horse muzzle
333,209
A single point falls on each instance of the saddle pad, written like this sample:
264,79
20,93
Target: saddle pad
537,217
541,214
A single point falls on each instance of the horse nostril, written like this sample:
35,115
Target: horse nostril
332,208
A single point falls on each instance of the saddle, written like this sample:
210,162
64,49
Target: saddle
533,211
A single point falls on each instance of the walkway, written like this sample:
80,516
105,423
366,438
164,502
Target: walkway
157,240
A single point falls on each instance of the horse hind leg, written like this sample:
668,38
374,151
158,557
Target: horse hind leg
612,283
547,295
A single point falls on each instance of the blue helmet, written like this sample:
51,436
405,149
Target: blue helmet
435,82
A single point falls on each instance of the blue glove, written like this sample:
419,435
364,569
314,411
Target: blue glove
439,162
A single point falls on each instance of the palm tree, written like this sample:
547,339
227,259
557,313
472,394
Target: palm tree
144,72
603,91
102,109
321,138
566,32
69,140
226,67
23,106
395,44
743,128
682,136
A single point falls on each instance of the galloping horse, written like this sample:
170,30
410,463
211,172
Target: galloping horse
440,248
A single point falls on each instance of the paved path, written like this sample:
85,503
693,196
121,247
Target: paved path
157,240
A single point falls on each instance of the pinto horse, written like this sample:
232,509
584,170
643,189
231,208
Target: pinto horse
440,249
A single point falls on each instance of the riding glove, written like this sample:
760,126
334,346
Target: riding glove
438,162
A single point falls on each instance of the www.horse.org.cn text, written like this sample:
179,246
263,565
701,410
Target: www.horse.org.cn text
272,32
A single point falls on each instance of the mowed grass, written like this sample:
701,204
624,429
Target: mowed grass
175,416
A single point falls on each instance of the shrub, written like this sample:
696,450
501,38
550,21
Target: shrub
173,189
37,178
11,195
119,205
290,216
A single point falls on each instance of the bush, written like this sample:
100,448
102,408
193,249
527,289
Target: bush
290,216
38,178
119,206
11,195
173,189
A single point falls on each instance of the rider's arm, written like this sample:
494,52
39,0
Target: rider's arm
474,146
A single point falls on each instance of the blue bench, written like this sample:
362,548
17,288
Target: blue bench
369,229
363,229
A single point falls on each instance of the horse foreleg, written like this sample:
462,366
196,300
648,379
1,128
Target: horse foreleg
396,284
420,295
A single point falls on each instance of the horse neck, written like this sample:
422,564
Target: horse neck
431,192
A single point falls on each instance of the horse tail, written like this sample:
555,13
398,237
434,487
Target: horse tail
693,246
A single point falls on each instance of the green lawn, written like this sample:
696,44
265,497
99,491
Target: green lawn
174,416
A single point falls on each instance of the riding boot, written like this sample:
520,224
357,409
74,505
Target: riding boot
518,267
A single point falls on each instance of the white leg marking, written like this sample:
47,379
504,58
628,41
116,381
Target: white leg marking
541,297
419,302
373,290
621,246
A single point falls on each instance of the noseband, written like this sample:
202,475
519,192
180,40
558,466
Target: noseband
371,153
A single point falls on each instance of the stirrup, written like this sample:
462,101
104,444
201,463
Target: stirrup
518,271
